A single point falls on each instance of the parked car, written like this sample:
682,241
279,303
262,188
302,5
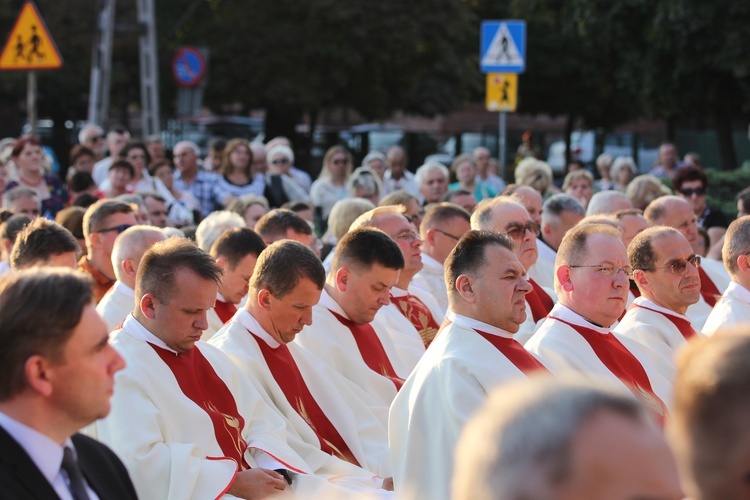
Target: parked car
201,129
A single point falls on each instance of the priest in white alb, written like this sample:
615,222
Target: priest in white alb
325,409
509,217
666,271
675,212
734,306
127,253
474,353
409,305
366,264
184,421
236,252
441,228
591,281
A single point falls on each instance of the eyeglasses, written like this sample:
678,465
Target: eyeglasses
518,231
416,218
609,269
408,235
688,192
97,138
282,161
339,161
136,157
119,229
680,266
449,235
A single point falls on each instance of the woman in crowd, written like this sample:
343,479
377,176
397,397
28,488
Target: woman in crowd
464,167
28,157
251,207
604,166
365,183
280,187
236,177
164,171
119,179
537,174
580,185
623,172
644,189
330,185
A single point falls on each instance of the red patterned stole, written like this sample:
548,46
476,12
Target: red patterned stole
622,363
371,349
225,310
514,351
200,383
683,325
634,289
418,315
286,373
709,291
539,302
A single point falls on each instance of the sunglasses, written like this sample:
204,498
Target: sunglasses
688,192
517,231
282,161
119,229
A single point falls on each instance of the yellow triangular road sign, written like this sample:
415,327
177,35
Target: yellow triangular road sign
30,46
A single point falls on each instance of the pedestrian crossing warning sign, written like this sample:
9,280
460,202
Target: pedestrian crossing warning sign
30,46
502,91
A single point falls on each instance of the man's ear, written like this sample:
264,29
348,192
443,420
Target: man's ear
36,371
221,261
129,267
465,288
342,279
429,236
264,299
743,263
642,279
563,276
148,306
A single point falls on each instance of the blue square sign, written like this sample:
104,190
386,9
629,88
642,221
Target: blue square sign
503,47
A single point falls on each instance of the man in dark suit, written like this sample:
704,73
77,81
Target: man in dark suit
56,377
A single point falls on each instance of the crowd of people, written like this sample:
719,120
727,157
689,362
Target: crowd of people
228,327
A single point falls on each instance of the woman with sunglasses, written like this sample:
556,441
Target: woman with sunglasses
281,188
237,177
330,186
690,184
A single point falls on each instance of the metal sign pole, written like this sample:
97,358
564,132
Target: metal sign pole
31,101
501,145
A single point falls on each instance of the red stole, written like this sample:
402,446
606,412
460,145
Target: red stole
683,325
418,315
286,373
225,310
514,351
200,383
634,289
622,363
539,302
709,291
371,349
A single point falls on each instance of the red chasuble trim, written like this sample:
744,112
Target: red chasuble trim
622,363
418,315
225,310
683,325
514,351
200,383
709,292
540,303
287,374
371,349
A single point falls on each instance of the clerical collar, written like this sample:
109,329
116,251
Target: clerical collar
399,292
140,332
122,288
220,297
650,304
738,291
251,324
467,322
567,314
329,303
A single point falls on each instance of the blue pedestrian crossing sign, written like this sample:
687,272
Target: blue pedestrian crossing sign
503,47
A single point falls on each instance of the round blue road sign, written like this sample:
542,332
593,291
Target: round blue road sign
188,67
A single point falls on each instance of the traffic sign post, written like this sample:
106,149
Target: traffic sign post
502,55
188,67
30,47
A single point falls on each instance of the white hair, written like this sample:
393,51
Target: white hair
373,155
189,144
519,444
282,149
214,226
85,130
425,169
623,162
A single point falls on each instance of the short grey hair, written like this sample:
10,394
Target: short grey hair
281,149
558,204
623,162
425,169
373,155
519,444
365,178
214,225
86,129
189,144
132,244
736,243
602,202
17,192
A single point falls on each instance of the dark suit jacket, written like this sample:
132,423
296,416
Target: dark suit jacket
21,479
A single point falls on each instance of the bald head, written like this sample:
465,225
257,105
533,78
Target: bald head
129,249
607,203
531,200
674,212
